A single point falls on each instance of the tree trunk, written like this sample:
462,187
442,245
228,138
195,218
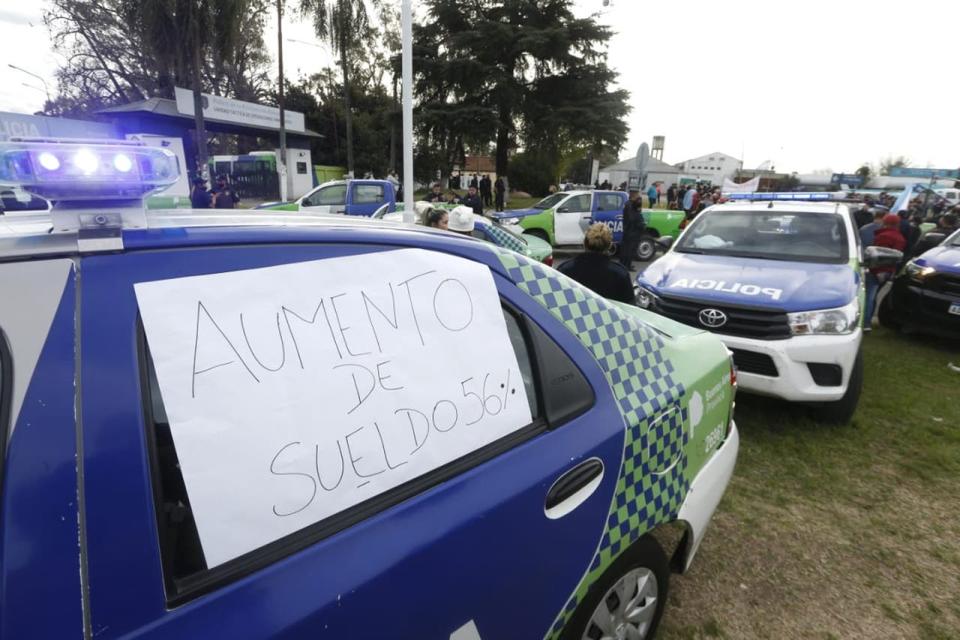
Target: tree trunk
348,116
393,128
503,140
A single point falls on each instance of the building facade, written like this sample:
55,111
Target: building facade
713,167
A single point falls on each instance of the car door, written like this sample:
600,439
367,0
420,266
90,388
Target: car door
608,209
331,198
569,218
490,546
365,198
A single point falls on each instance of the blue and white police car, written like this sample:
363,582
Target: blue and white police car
286,425
779,280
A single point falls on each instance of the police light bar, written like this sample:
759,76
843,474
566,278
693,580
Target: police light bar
83,170
780,195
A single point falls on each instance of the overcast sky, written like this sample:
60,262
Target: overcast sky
809,85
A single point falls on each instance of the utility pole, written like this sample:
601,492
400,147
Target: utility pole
201,130
46,89
282,165
406,20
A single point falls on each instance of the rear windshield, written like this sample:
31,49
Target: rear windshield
771,235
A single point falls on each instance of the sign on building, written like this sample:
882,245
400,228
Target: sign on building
248,113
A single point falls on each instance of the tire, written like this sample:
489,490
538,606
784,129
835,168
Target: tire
842,410
646,249
886,313
641,567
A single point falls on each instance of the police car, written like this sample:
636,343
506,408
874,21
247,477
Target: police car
287,425
926,294
780,282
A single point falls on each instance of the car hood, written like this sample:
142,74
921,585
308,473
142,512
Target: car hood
774,284
516,213
274,205
539,249
945,258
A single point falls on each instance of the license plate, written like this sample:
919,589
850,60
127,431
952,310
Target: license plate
954,309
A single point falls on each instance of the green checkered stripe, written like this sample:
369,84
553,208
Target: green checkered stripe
652,481
505,239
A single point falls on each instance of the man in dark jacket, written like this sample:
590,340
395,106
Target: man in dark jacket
472,200
224,197
486,190
500,186
595,270
200,198
633,228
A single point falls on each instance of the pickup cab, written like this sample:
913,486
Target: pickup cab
562,219
349,197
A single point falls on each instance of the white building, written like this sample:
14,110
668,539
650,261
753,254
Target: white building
657,171
713,167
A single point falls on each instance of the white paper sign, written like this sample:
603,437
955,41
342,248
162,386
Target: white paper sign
294,392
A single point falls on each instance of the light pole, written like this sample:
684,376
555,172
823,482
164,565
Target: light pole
46,89
283,129
406,19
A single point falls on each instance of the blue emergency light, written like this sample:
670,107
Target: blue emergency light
780,195
85,170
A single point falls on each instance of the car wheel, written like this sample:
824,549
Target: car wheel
628,599
842,410
886,313
646,249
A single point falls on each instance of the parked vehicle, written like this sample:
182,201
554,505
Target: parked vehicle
214,424
926,293
350,197
781,284
562,218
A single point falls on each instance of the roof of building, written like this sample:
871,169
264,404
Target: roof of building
167,108
653,166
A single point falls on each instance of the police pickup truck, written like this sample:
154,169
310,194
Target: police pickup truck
349,197
780,282
299,425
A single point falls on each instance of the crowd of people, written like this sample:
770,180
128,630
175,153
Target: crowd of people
221,196
482,192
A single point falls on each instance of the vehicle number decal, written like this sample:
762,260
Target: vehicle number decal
714,438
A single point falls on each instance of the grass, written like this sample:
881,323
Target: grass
839,532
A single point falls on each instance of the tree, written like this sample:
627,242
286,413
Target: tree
519,73
865,173
339,22
891,162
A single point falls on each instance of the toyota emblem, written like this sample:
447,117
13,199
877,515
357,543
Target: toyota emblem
713,318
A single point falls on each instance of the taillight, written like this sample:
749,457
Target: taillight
548,260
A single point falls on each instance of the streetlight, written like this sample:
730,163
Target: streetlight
406,19
38,77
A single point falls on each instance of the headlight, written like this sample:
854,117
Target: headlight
646,299
918,272
510,221
828,321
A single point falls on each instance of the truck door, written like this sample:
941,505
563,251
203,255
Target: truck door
608,209
465,546
365,198
569,218
331,198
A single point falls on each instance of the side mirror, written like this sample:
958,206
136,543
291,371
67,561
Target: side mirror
665,242
881,257
563,210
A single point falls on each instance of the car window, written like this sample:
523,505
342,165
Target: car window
578,203
333,195
550,201
769,234
608,202
186,573
368,194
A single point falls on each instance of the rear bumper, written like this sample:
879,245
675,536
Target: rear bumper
704,495
791,358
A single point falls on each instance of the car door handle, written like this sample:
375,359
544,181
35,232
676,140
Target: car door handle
573,488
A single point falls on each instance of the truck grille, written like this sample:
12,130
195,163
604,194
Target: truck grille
746,322
949,284
753,362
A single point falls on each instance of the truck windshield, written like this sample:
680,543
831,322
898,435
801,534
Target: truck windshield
550,201
767,234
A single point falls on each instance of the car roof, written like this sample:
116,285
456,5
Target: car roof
782,207
41,234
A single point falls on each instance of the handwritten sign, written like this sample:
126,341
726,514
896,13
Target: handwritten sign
297,391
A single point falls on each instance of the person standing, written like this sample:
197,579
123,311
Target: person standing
486,191
595,270
473,200
199,196
869,230
500,187
633,228
888,236
435,195
224,197
652,195
474,182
